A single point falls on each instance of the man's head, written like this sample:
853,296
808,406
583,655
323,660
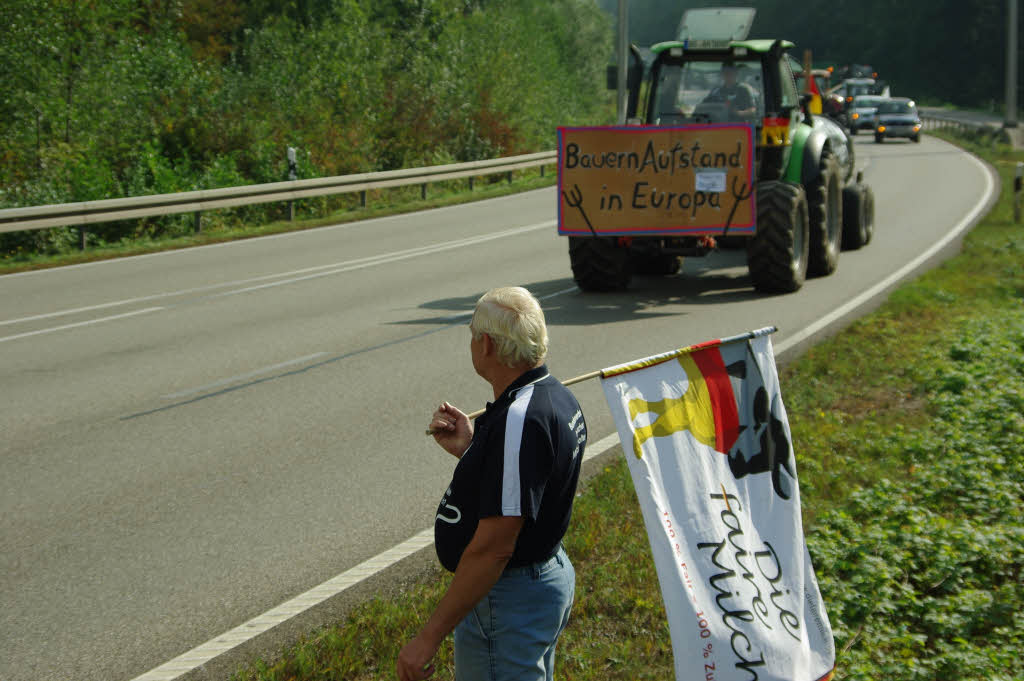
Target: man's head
514,321
729,74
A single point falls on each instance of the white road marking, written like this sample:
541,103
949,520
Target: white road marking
892,279
89,322
202,654
241,377
298,234
289,277
395,257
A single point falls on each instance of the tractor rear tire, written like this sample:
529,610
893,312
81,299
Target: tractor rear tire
855,226
869,213
777,254
598,264
825,207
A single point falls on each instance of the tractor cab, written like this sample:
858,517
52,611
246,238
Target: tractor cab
727,81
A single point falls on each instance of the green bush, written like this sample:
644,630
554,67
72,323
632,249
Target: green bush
126,99
922,573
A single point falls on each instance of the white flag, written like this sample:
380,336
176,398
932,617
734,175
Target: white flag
708,444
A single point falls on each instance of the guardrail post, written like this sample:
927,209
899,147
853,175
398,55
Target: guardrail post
292,175
362,199
82,234
470,184
423,191
510,177
197,221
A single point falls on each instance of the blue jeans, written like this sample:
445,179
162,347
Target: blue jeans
511,633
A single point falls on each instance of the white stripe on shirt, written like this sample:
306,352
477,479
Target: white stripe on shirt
511,494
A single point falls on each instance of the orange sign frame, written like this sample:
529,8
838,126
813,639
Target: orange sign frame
690,180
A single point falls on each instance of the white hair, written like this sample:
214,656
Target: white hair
514,320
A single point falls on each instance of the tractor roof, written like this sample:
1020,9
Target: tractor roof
760,46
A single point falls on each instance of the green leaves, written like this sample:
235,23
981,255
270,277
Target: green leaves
90,91
926,569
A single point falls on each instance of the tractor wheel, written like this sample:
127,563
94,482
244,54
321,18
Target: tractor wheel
656,265
855,228
878,138
825,207
598,264
777,254
869,214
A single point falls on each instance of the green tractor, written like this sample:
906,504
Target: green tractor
810,201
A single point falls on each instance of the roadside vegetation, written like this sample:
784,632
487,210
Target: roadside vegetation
116,98
909,436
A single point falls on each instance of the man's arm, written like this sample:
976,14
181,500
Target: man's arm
479,568
748,106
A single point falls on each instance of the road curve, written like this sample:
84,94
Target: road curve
193,438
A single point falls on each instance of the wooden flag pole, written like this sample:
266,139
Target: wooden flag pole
600,372
576,379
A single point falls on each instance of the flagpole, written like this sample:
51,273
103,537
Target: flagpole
601,372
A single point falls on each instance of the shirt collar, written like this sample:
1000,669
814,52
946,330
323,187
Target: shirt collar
528,377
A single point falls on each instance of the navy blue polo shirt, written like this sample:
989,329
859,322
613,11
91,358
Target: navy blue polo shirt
524,460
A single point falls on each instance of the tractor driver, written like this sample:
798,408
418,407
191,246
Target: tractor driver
739,99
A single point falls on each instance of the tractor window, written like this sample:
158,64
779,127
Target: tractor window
708,92
790,95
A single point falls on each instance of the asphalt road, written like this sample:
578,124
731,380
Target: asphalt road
191,438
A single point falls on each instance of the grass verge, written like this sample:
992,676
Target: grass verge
909,434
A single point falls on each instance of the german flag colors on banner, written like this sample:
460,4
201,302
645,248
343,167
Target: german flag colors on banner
709,448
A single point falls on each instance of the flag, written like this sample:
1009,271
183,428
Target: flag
708,443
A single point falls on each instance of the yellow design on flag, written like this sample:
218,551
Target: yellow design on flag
690,412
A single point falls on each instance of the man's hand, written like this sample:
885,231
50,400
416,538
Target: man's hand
479,568
414,660
451,429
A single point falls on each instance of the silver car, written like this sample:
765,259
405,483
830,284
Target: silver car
897,117
861,115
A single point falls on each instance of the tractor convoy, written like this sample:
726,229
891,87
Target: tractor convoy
808,202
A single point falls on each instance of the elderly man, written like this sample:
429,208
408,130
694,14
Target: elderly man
500,523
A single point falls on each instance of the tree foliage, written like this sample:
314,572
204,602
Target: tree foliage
113,98
941,50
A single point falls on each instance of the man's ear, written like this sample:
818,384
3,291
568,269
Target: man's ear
486,344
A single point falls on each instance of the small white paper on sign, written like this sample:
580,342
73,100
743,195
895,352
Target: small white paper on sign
711,181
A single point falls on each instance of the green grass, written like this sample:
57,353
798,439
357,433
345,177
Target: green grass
909,434
219,226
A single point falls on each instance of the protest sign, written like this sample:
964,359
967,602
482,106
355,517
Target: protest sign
666,181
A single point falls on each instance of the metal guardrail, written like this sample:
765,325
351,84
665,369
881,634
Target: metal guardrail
107,210
953,121
85,213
